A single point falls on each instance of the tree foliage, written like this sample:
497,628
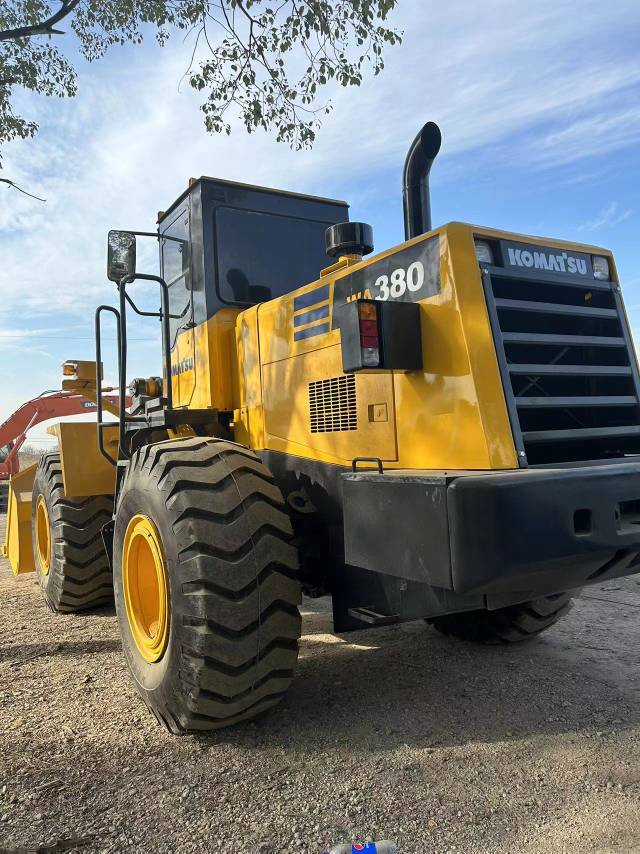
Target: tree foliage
264,60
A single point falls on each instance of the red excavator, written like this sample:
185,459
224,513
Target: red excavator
49,404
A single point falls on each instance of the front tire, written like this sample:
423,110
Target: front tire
224,645
70,559
513,624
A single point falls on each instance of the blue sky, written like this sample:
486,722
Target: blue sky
539,104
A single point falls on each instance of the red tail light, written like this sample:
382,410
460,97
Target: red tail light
379,335
369,334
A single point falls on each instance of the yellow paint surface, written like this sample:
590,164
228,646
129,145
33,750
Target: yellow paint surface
85,471
451,414
18,546
205,358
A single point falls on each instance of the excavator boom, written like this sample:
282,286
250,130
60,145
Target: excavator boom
48,405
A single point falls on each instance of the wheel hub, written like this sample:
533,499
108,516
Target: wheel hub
43,535
145,588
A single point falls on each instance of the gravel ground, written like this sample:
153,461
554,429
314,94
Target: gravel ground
397,733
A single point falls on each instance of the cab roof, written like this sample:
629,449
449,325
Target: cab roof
244,186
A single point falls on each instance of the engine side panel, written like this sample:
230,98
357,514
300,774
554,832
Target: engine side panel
452,414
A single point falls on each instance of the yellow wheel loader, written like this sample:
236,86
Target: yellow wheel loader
447,430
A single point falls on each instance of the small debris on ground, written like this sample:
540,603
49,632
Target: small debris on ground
397,733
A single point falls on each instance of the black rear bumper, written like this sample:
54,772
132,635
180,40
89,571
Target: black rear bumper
504,535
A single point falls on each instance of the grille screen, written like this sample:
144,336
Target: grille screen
332,405
568,367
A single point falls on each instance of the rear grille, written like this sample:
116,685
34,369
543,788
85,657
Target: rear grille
568,366
332,405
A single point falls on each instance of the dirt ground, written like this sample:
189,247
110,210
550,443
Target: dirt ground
397,733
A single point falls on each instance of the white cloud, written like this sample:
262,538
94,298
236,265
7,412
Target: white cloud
611,216
525,82
47,331
16,348
593,135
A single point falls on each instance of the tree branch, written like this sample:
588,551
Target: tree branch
44,28
16,187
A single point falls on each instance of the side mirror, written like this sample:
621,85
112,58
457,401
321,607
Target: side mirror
121,255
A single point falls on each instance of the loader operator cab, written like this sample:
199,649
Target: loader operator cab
230,245
224,247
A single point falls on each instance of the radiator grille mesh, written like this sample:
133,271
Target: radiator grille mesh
332,405
568,366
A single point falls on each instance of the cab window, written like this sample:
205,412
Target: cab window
175,254
261,256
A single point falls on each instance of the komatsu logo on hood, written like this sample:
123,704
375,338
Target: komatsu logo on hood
549,260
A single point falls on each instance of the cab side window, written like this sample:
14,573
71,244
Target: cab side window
176,271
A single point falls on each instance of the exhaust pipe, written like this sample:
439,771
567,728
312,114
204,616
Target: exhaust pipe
415,180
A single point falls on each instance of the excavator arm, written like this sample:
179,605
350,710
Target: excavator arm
85,471
48,405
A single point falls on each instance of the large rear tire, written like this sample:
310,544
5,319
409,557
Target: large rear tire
206,583
71,562
506,625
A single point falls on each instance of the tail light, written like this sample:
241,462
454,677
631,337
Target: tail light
369,334
378,335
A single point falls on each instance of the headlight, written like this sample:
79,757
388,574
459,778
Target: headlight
484,252
600,267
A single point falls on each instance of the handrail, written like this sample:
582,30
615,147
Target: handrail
121,390
121,328
164,318
122,344
139,310
148,313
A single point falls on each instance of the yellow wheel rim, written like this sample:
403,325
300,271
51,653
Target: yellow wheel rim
43,535
144,580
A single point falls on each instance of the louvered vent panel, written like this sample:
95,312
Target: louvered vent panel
568,367
332,405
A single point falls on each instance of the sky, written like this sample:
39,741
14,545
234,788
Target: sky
539,106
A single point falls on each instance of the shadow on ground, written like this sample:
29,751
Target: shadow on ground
17,654
417,688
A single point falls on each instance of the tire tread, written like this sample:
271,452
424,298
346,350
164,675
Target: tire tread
237,571
513,624
80,576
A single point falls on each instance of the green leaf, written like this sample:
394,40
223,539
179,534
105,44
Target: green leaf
252,70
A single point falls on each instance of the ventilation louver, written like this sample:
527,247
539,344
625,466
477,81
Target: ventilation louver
332,405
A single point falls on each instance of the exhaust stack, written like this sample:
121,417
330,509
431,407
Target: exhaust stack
415,180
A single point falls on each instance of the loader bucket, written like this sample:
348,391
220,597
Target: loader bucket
17,546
